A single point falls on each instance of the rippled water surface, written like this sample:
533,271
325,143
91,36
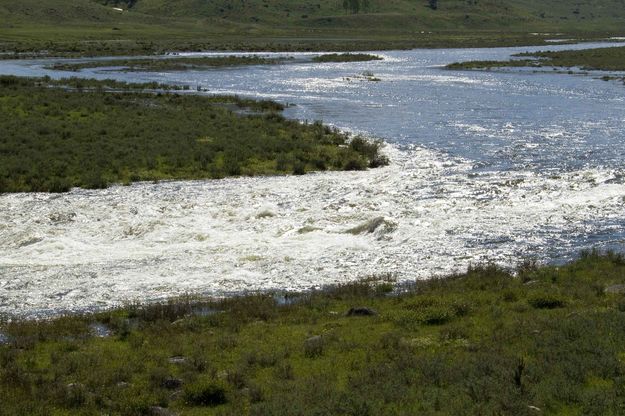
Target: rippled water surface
486,166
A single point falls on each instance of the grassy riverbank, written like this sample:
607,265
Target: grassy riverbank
86,133
548,340
70,47
606,59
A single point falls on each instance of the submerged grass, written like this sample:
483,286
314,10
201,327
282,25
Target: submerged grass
547,339
87,133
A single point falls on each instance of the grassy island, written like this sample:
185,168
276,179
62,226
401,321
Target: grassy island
86,133
545,340
168,64
605,59
346,57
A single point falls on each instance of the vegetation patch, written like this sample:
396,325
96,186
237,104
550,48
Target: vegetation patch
605,59
87,133
168,64
347,57
205,392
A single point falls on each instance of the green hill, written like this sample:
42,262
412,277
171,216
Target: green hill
291,24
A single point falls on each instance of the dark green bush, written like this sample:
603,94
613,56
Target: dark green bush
205,392
546,301
436,316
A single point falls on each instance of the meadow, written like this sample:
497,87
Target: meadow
541,340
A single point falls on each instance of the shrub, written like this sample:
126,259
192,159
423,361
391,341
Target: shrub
205,392
546,301
299,168
313,347
355,164
436,316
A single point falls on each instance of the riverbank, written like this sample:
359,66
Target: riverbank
543,340
341,43
85,133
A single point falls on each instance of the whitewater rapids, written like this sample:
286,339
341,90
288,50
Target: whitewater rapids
426,214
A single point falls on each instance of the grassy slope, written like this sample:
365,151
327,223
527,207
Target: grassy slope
55,138
296,24
484,342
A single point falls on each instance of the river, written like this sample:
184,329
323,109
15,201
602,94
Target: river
486,167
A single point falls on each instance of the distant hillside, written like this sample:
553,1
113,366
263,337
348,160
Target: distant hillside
330,20
398,15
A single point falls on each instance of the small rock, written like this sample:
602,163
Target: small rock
123,384
615,289
99,330
313,346
62,218
175,395
171,383
177,360
372,225
204,311
362,311
265,214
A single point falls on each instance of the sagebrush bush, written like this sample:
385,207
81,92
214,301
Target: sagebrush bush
205,392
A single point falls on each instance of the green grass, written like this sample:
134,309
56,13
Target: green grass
482,342
67,28
606,59
169,64
87,133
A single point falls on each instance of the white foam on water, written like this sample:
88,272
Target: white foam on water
543,177
423,215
